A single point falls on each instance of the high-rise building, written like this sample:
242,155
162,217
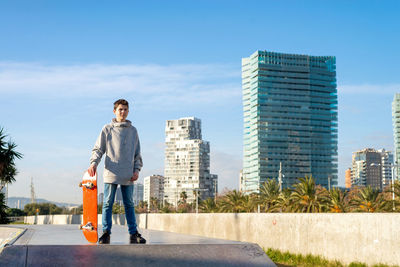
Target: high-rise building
347,181
387,164
137,193
290,117
153,188
396,132
367,168
187,162
100,198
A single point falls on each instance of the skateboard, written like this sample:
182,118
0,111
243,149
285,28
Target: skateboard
89,223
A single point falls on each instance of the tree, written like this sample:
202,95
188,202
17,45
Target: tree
154,204
7,169
396,189
233,202
183,197
141,207
368,199
3,208
44,209
12,212
337,200
7,159
208,206
269,193
118,208
167,208
283,202
307,197
250,202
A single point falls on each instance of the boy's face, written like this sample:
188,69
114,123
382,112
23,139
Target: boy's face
121,112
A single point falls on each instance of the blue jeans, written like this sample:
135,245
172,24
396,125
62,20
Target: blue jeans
127,197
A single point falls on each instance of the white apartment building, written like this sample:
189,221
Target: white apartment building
372,167
153,187
187,162
387,164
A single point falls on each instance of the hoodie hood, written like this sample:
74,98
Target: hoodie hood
126,123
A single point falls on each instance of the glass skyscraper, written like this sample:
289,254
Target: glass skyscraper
290,118
396,131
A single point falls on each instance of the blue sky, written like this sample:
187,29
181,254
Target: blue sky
63,63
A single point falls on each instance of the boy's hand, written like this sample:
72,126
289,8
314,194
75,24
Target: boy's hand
92,170
135,176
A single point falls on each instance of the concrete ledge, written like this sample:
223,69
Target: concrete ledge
8,235
230,255
371,238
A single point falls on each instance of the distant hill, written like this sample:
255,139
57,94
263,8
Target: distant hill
12,202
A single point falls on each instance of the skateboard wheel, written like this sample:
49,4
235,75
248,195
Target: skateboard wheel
80,227
80,184
91,185
92,228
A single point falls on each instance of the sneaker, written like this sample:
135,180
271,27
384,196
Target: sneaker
137,238
105,238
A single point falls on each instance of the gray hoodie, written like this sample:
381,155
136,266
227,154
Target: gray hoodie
120,142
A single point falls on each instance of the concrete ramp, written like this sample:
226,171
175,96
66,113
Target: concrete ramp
192,255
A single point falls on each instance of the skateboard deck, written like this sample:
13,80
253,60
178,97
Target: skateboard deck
89,222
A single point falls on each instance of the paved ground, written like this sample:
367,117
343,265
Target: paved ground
64,245
71,235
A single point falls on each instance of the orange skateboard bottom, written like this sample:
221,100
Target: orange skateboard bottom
89,222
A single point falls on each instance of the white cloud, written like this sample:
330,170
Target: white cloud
159,85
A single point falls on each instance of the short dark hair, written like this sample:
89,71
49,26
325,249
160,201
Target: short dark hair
120,102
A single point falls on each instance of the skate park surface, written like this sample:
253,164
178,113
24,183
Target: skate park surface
65,245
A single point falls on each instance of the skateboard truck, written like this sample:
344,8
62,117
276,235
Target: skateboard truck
87,226
88,185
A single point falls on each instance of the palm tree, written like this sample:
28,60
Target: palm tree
337,200
307,197
283,202
232,202
7,159
141,207
7,169
167,208
396,190
208,206
250,202
183,197
269,193
153,204
3,208
368,199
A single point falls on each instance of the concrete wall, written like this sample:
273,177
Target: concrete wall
368,238
70,219
348,237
